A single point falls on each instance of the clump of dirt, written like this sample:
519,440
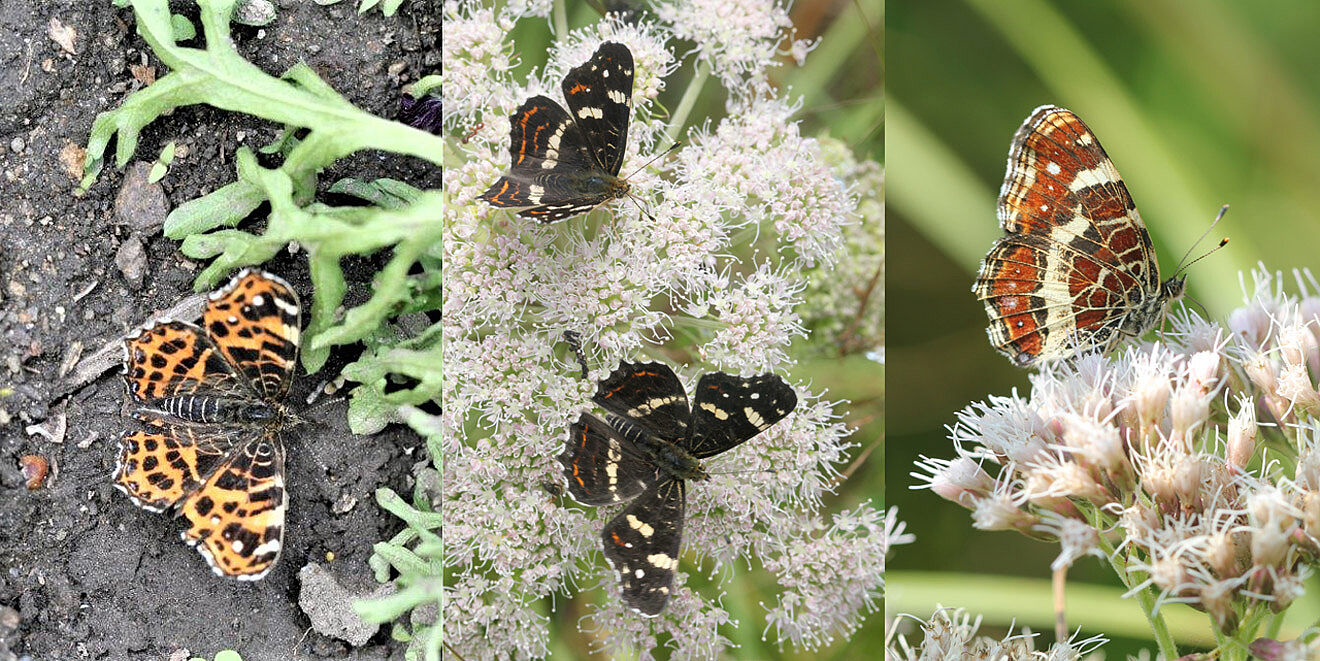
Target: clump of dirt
83,573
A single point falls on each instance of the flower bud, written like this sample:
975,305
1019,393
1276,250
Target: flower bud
1242,429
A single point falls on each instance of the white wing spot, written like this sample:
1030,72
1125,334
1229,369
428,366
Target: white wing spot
715,411
643,528
662,560
1053,168
237,546
269,547
754,418
258,300
594,113
612,463
287,307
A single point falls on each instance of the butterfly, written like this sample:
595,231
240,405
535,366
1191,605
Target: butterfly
562,164
210,400
1076,270
648,447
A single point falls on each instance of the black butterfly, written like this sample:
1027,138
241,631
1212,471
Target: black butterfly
647,448
563,164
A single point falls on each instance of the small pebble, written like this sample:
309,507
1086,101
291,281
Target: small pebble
131,259
35,469
141,204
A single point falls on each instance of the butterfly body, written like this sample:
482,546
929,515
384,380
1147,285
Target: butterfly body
1076,269
667,455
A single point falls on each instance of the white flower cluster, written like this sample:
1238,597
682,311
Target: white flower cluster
1193,463
713,273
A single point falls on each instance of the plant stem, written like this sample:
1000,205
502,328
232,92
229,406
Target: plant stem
689,99
561,19
1168,648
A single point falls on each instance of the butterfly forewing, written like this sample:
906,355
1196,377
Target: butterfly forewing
650,396
1076,269
602,466
642,544
176,359
599,97
255,321
728,410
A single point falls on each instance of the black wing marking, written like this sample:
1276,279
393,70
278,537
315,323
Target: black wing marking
601,466
729,410
642,544
650,396
599,95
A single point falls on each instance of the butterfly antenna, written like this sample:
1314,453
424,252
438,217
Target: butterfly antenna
1183,264
656,158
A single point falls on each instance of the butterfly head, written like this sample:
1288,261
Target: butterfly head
1173,289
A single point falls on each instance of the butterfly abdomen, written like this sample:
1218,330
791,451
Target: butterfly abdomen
211,409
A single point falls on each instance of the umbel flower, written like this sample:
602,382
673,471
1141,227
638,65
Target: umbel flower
713,277
951,634
1192,463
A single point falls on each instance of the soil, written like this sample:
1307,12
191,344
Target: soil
83,573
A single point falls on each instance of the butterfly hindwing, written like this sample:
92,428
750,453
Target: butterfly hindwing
163,463
729,410
648,395
599,97
642,544
601,466
236,518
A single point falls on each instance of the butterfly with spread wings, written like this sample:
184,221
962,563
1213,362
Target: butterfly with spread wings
647,449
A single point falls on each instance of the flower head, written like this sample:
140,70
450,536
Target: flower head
1160,442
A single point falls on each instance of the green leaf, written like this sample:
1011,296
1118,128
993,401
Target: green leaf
182,27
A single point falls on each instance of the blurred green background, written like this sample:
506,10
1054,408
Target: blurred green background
841,90
1199,104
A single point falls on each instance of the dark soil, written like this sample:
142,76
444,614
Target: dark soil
84,573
